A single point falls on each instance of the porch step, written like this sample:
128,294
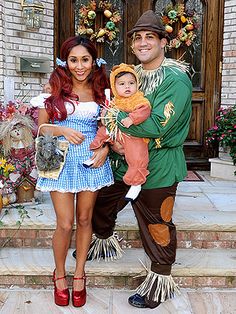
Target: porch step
32,267
202,228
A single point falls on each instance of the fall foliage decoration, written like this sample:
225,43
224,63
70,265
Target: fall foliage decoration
87,21
188,19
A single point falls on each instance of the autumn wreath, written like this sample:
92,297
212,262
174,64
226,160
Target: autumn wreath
188,19
87,21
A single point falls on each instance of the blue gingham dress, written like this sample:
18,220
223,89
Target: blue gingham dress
74,176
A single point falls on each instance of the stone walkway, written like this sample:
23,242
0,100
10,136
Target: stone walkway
101,301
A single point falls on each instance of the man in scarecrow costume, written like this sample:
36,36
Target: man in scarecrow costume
168,88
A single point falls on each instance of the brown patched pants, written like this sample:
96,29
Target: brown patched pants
153,209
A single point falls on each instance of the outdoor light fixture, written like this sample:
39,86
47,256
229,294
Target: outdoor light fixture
32,12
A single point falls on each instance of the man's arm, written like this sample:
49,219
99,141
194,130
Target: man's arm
168,106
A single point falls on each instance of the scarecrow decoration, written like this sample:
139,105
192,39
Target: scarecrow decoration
18,149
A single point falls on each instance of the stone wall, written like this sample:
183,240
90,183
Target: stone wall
228,93
17,41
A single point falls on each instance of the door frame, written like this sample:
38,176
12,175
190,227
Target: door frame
212,52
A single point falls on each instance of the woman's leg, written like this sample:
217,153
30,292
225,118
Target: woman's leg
64,208
84,211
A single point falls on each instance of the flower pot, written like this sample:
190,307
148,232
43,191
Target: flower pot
224,153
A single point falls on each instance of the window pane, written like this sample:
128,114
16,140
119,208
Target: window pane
193,53
161,4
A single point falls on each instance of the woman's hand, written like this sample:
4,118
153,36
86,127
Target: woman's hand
100,156
73,136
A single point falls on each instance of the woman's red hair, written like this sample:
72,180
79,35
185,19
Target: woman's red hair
61,82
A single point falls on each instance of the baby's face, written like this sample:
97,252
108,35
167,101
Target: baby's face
126,85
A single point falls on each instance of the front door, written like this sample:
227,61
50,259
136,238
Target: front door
204,55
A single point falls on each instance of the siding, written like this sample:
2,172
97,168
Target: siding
16,40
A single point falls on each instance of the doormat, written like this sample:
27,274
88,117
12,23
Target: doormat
193,176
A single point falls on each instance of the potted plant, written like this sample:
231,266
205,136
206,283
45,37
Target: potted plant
223,133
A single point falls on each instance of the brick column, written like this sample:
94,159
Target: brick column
228,95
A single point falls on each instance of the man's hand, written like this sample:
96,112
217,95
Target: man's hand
118,148
99,156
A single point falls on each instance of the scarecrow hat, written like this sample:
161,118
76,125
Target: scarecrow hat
149,21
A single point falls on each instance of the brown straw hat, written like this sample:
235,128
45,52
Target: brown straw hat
149,21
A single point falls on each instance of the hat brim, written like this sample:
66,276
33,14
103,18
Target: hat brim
148,28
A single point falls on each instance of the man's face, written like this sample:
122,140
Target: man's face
149,49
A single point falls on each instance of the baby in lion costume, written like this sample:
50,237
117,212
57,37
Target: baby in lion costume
127,98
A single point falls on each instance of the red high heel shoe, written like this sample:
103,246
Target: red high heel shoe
61,297
79,297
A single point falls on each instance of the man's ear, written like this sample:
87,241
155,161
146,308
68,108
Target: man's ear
163,42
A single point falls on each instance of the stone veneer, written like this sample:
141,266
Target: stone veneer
193,268
220,168
228,92
130,238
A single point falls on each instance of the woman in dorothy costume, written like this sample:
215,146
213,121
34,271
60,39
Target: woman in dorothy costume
70,113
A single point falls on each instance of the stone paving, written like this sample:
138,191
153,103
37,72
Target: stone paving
208,206
104,301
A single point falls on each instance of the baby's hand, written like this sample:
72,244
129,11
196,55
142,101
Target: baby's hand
127,122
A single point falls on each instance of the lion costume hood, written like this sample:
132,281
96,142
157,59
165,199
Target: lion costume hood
126,104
